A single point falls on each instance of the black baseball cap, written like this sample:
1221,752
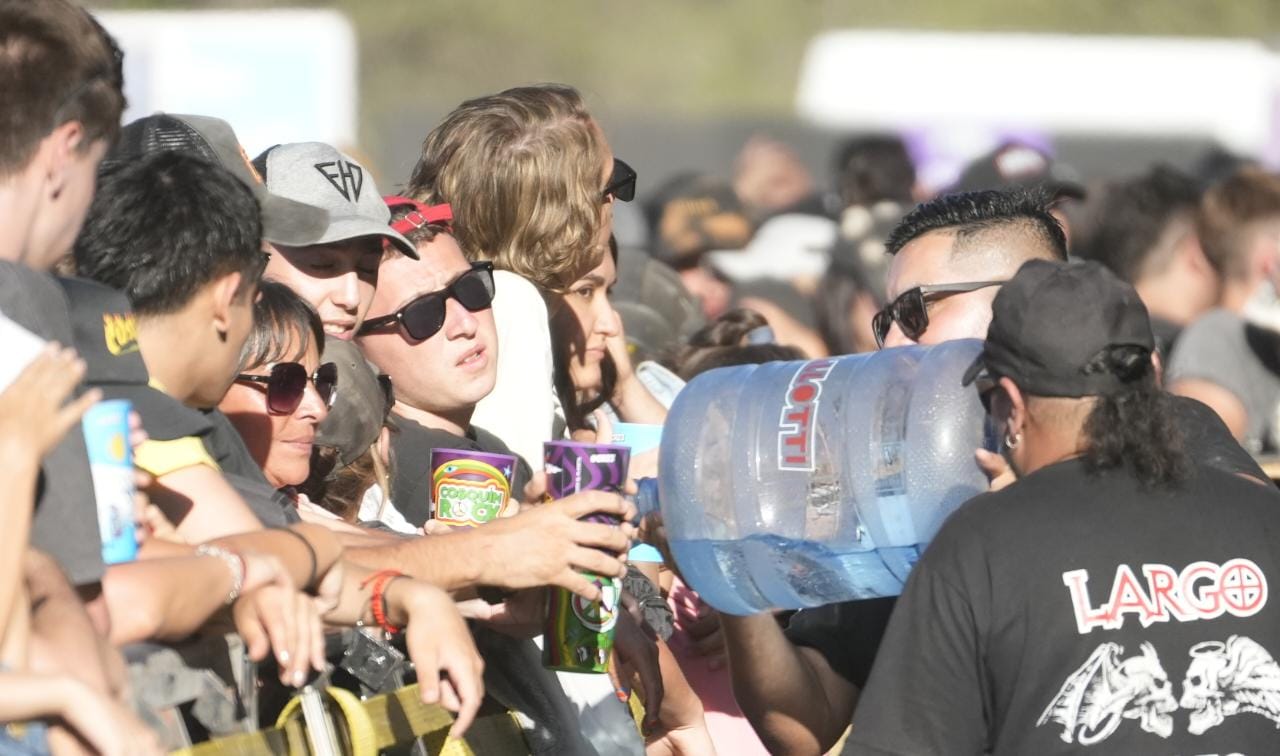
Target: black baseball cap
1051,320
105,332
284,220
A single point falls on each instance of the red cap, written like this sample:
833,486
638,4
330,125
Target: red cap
421,215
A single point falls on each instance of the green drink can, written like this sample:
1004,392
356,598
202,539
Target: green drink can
578,636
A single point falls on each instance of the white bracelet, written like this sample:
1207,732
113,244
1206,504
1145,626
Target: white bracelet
233,560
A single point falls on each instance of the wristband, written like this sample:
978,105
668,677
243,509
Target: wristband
233,561
378,599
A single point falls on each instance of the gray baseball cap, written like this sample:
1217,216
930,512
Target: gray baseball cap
323,176
284,221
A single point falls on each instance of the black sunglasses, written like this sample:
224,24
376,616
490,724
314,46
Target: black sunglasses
287,383
622,182
423,317
911,309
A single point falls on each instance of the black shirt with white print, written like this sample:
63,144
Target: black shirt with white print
1080,613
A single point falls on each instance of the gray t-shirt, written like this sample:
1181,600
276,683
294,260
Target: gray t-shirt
66,516
1223,349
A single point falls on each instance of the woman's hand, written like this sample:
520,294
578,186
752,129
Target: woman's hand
631,399
283,620
450,670
34,411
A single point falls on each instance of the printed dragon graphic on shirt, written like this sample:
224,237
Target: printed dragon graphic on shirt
1223,679
1106,689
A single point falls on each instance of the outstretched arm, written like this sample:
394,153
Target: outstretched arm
794,700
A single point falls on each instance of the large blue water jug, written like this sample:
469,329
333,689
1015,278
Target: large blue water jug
795,484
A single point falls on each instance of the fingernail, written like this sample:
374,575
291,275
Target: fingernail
299,678
622,695
283,656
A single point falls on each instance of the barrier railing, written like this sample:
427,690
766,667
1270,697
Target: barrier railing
348,725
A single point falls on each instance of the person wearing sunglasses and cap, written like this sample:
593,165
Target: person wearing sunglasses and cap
1116,595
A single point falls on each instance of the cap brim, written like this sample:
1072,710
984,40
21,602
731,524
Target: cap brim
289,222
163,417
341,229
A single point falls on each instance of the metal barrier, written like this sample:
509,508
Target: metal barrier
343,724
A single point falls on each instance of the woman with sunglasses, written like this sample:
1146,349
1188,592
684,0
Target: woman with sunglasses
281,392
531,180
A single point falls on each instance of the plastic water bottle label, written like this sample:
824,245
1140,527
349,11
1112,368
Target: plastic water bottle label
799,415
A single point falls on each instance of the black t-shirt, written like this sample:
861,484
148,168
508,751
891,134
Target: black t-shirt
65,524
1209,442
227,448
1073,610
411,446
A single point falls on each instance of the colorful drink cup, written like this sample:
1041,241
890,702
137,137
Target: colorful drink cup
578,636
106,437
470,488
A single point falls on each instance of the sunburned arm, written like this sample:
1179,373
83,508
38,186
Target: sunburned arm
285,544
63,639
794,700
19,469
104,724
543,545
202,504
164,599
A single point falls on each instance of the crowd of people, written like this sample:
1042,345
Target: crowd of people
295,341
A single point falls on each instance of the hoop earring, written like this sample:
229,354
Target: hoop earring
1012,443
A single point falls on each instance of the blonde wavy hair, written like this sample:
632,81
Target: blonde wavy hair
522,171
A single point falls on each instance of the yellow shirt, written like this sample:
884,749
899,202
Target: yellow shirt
163,457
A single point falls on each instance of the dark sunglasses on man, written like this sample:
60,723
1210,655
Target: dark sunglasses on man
622,182
423,317
287,383
911,308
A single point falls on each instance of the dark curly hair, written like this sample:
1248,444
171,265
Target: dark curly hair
1135,428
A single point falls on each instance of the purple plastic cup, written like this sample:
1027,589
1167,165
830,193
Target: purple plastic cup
578,634
573,466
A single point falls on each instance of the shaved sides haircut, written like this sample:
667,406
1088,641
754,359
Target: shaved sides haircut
1015,221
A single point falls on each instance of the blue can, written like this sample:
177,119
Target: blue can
106,435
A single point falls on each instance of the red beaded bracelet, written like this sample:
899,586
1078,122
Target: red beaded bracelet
377,599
